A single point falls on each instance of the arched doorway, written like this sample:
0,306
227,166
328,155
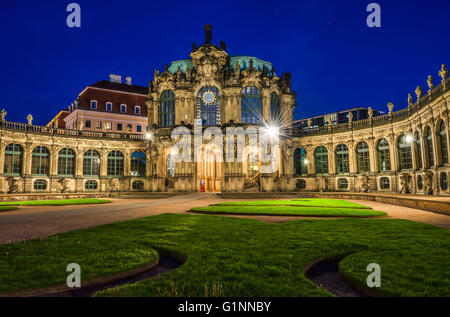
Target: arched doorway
209,169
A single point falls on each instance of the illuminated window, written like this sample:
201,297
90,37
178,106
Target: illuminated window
40,160
137,164
404,153
321,160
115,164
91,163
167,109
429,144
362,157
383,156
208,106
342,159
300,166
251,105
66,162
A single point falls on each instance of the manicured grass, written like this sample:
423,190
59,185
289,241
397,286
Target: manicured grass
319,202
241,257
7,208
290,211
60,202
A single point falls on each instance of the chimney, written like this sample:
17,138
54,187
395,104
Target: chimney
115,78
128,80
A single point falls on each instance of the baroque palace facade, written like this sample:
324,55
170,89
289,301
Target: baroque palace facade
403,151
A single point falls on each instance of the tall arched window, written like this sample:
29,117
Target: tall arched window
362,157
419,149
170,166
443,143
40,161
115,163
251,106
429,144
321,160
275,108
383,156
208,106
404,153
137,164
300,162
91,163
167,109
13,160
342,161
66,162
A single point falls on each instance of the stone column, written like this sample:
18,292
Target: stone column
331,160
372,155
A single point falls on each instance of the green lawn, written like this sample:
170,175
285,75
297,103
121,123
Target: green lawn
7,208
60,202
314,202
241,257
289,211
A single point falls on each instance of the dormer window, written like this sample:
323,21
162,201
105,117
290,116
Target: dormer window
93,104
108,106
137,110
123,108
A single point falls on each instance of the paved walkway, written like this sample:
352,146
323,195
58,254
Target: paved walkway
32,222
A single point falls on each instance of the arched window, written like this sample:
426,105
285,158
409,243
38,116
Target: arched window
342,162
115,163
40,184
404,153
40,160
419,182
321,160
13,160
91,185
91,163
429,144
137,164
167,109
362,157
138,185
342,183
300,184
252,164
66,162
383,156
384,183
170,166
208,106
300,162
443,142
419,149
251,105
275,109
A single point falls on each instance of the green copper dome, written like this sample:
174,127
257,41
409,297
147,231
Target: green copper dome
243,60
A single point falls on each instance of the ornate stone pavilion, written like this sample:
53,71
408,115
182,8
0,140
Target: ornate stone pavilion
403,151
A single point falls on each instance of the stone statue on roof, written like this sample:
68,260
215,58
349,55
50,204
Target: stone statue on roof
208,33
3,114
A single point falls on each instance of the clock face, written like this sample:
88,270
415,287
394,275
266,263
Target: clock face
209,97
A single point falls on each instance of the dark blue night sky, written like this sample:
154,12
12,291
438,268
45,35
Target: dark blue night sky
336,61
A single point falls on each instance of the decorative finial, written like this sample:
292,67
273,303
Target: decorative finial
250,62
3,114
410,99
443,72
166,67
223,45
370,112
30,119
309,121
430,83
419,92
194,46
391,106
208,33
350,116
